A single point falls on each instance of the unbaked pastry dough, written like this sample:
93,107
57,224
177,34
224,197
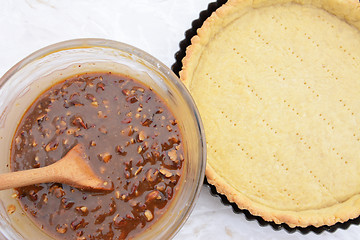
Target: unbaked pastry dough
277,84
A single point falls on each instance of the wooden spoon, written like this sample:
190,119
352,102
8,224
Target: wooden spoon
73,169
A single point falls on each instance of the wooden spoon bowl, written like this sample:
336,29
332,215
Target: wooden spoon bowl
73,169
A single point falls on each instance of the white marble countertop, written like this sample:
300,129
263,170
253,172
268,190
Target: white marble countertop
156,26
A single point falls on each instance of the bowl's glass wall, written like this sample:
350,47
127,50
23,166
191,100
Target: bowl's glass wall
20,86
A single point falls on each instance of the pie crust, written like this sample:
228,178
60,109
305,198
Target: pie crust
277,84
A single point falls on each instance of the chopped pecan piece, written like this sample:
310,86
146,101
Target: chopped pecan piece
11,209
126,92
152,196
117,195
78,223
61,228
90,97
84,211
151,174
165,172
79,122
120,150
147,123
100,85
149,216
51,146
105,157
67,203
142,136
138,170
172,155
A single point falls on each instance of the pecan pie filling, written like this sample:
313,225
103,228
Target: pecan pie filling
132,140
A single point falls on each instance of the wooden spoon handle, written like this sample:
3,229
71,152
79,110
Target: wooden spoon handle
26,177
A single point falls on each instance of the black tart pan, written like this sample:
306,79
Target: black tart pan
176,67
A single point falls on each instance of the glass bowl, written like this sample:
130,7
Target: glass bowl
20,86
